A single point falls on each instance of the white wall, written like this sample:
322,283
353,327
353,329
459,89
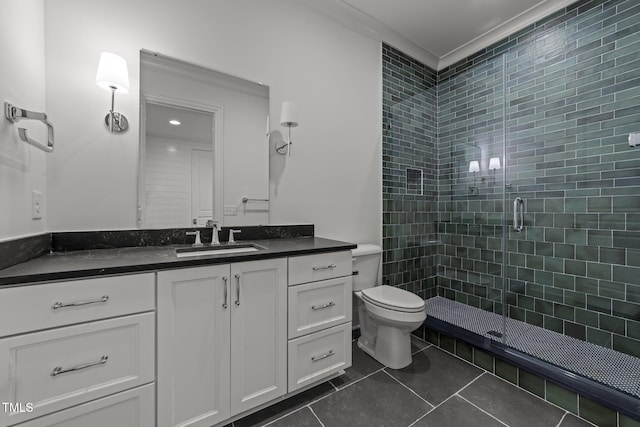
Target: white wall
22,83
333,177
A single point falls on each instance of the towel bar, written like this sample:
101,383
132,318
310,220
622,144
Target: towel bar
15,114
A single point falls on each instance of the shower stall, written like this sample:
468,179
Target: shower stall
543,228
537,203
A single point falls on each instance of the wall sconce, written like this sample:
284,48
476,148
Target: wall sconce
474,166
113,75
494,163
288,119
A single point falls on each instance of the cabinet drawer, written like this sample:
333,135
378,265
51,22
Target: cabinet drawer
318,305
62,367
36,307
131,408
310,268
319,355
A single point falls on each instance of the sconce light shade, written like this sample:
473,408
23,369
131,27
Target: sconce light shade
494,163
112,72
474,166
289,114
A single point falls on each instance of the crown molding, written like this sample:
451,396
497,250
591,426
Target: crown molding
517,23
342,13
352,18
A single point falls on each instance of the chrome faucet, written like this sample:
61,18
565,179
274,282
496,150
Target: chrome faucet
231,236
196,233
215,238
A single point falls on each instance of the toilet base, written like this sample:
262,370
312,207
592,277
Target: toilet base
391,346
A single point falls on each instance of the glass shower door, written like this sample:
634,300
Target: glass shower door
471,194
572,203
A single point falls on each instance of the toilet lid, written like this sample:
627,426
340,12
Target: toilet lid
393,298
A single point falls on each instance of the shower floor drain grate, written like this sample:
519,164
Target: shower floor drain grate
612,368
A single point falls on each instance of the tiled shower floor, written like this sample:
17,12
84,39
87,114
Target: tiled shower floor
606,366
437,389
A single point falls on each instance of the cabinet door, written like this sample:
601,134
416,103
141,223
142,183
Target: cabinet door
193,346
319,355
38,307
319,305
131,408
62,367
258,333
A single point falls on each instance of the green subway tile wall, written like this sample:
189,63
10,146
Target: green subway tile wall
554,103
409,163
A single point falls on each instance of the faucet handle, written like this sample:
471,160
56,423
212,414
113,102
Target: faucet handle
215,228
231,235
196,233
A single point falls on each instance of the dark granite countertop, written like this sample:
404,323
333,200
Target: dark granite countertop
101,262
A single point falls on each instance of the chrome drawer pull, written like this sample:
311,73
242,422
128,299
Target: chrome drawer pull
324,267
59,304
224,279
58,370
320,307
237,276
324,356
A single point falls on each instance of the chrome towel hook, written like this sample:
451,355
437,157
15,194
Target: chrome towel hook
15,114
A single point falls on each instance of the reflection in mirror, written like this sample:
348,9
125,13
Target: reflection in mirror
178,171
222,139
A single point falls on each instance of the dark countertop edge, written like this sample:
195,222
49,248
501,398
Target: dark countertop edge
18,250
38,278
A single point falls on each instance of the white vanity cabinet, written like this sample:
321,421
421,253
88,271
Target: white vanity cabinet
195,346
222,339
320,317
68,343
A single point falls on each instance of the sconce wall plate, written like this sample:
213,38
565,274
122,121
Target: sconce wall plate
116,122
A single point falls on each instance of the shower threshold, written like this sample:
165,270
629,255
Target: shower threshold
603,374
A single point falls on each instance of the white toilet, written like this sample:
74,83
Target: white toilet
387,315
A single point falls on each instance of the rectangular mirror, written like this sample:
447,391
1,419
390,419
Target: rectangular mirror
203,146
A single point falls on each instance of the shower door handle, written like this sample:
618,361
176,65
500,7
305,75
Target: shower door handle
518,214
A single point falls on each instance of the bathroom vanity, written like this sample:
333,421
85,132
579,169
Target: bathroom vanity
83,333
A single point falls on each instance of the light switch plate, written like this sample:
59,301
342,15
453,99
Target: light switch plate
36,204
230,211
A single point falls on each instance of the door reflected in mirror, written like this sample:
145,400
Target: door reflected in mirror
178,173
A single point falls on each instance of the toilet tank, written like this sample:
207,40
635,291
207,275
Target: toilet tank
366,262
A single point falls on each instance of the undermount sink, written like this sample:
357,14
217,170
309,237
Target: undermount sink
217,249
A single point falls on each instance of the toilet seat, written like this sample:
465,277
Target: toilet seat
395,299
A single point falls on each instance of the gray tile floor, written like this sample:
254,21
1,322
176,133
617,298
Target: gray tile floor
437,389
